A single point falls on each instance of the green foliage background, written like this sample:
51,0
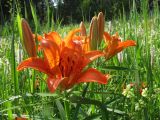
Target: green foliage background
69,11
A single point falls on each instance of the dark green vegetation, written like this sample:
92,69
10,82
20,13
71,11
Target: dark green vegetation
69,11
25,93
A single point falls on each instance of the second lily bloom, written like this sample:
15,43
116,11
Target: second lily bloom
113,43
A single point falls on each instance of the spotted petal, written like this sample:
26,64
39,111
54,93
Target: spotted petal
51,51
54,36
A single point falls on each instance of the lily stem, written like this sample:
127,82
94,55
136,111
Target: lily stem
79,104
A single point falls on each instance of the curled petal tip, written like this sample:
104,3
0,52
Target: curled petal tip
127,43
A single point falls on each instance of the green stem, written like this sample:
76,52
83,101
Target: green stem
82,100
79,104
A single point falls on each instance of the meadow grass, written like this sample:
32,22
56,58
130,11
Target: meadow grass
19,95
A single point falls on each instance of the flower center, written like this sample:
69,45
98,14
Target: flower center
68,63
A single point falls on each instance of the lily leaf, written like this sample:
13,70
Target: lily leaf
119,68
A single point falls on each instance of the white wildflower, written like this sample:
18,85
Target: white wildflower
144,92
110,26
152,52
128,92
137,107
141,102
120,57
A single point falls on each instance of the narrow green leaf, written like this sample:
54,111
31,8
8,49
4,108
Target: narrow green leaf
119,68
34,16
61,110
9,111
20,27
93,117
47,94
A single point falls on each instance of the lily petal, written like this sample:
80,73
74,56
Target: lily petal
38,37
53,83
107,37
54,36
86,46
93,75
37,64
92,55
80,38
121,46
51,51
71,35
127,43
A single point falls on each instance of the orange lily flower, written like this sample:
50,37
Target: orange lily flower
64,62
115,45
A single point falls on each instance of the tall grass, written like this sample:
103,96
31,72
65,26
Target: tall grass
19,95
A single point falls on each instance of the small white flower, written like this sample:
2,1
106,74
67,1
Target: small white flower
144,92
1,62
120,57
141,102
152,52
110,26
124,92
128,92
137,107
128,87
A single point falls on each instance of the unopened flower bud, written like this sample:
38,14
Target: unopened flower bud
94,34
100,26
83,29
28,39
